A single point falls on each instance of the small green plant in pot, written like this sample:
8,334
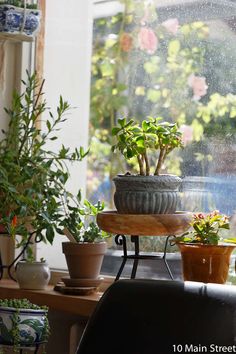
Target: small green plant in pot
206,248
145,193
23,324
86,249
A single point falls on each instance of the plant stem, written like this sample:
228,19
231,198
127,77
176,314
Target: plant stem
160,161
140,162
147,164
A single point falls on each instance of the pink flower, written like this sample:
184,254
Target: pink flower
171,25
126,42
199,86
187,132
147,40
198,216
214,213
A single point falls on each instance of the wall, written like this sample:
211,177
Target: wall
67,53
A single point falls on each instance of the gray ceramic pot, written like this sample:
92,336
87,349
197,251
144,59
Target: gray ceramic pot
146,194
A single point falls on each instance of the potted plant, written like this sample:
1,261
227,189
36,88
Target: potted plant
19,19
86,249
23,324
149,192
32,177
205,250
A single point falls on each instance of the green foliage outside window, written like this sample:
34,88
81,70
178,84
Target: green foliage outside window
144,67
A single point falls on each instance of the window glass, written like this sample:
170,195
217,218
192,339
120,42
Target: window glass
177,60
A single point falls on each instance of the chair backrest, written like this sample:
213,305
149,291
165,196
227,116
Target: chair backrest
161,317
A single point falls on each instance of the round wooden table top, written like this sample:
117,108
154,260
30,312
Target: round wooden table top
144,224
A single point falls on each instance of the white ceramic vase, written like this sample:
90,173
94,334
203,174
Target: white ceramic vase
32,275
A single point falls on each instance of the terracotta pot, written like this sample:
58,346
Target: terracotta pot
84,260
205,263
146,194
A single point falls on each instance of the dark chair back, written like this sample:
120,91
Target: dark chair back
161,317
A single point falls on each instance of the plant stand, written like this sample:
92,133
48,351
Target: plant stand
20,256
123,225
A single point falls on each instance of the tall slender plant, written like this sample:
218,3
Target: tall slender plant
32,177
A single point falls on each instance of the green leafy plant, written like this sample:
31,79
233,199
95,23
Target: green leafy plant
206,229
33,177
80,219
137,139
13,334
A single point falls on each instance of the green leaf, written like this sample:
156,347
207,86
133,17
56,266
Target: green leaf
122,122
150,67
130,153
115,130
145,125
107,68
174,47
48,125
50,234
153,95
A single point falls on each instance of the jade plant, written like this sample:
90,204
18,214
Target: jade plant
33,177
14,332
139,139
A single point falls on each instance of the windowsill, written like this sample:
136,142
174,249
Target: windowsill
78,305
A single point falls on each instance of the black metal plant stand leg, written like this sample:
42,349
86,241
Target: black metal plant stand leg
136,258
9,267
120,240
164,257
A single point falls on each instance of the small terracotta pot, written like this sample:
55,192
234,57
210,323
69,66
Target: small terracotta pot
84,260
205,263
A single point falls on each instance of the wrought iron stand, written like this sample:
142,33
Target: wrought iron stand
9,267
120,240
134,226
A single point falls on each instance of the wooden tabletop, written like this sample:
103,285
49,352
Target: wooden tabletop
79,305
144,224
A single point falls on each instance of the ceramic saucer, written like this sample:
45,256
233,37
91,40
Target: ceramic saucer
82,282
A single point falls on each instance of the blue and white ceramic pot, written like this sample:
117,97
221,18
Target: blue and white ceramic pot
31,325
17,20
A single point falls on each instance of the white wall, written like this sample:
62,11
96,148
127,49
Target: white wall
7,78
68,45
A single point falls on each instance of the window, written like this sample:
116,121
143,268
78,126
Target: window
174,59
